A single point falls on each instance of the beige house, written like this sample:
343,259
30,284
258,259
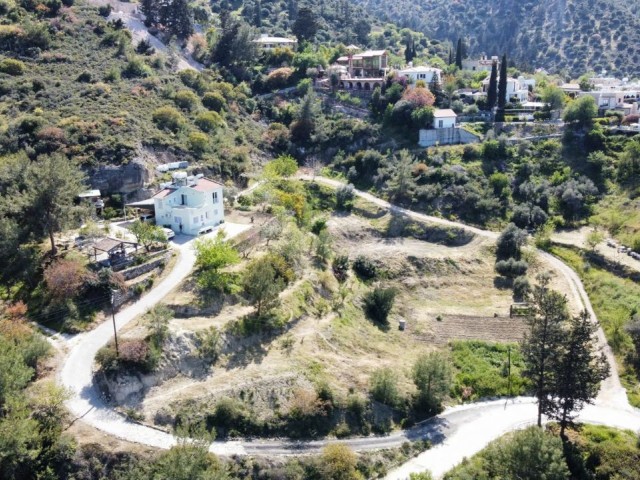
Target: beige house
482,64
369,64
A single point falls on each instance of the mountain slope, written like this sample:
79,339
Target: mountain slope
574,35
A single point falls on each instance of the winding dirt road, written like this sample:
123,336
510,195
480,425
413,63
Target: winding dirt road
457,433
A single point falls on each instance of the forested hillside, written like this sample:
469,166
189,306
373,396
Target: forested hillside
572,35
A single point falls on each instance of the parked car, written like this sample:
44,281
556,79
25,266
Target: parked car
169,233
205,230
148,217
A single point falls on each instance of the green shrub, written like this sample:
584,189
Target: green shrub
340,267
344,198
136,68
378,303
364,267
198,142
209,121
384,386
186,100
214,101
168,118
11,66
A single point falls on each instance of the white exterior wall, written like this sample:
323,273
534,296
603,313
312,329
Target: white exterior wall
199,210
426,76
444,122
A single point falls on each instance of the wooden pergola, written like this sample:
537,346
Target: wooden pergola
113,247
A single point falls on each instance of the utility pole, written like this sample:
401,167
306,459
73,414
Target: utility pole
509,368
113,318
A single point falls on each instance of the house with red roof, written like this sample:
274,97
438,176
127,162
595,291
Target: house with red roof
189,204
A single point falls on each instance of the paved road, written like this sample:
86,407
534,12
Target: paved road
77,375
457,433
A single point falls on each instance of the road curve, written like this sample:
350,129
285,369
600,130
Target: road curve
458,432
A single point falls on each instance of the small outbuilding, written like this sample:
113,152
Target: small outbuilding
444,118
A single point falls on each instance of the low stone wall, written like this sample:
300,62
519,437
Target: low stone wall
133,272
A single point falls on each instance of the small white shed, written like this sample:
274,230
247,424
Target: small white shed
445,118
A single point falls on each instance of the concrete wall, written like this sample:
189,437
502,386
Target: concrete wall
446,136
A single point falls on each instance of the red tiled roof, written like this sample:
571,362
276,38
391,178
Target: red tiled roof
162,193
206,185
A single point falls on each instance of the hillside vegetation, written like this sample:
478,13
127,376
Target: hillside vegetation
572,35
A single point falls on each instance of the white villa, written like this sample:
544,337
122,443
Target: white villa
189,204
423,73
517,88
267,43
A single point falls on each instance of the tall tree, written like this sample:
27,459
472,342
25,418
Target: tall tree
542,345
450,62
459,54
492,93
435,86
578,373
408,49
306,25
258,14
502,89
432,377
53,184
292,10
262,284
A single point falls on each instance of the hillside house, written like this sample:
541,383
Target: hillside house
482,64
189,204
517,88
423,73
369,64
268,43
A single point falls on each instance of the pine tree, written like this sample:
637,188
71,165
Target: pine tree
459,54
149,9
542,346
492,94
306,25
578,373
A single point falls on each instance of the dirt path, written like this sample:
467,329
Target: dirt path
578,238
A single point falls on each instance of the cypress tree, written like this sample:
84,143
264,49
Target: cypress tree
436,88
450,56
459,54
407,50
258,14
502,90
492,93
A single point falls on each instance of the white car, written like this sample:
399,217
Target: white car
205,230
169,233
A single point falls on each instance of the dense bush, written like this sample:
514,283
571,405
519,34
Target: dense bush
168,118
384,386
378,303
213,101
344,197
340,266
12,67
209,121
511,268
186,100
364,267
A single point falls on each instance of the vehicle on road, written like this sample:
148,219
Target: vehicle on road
205,230
169,233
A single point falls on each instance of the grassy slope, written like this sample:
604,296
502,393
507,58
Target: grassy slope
613,299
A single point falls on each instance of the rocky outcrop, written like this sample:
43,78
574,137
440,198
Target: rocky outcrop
126,178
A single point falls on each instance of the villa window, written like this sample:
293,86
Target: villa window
215,197
184,199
